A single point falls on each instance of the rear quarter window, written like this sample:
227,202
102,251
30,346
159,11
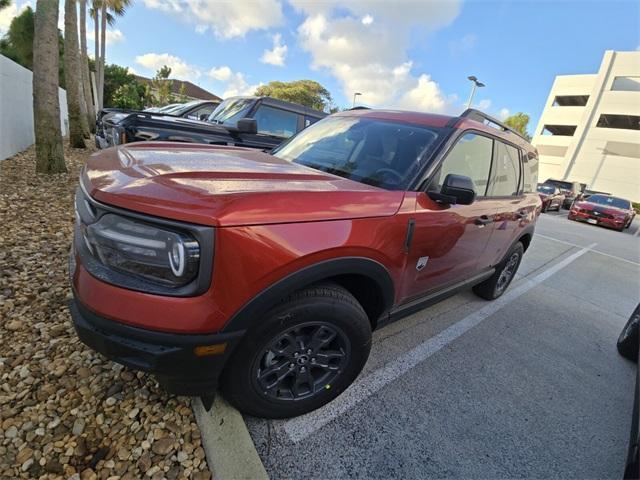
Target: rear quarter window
530,172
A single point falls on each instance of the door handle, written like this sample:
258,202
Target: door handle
483,220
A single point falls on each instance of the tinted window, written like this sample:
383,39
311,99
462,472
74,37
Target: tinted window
309,120
506,171
610,201
471,156
231,110
274,121
548,189
375,152
560,184
205,110
530,172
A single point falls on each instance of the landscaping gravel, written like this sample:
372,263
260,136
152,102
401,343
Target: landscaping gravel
65,411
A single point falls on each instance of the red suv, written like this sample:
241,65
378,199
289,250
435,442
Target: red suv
265,273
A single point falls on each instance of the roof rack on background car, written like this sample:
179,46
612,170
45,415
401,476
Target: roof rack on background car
482,117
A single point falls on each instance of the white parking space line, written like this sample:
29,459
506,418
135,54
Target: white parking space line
590,249
301,427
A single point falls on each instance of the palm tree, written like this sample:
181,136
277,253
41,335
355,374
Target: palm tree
106,8
46,107
72,74
84,67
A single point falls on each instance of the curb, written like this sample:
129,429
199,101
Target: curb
229,449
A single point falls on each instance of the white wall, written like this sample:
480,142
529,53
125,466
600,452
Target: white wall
16,108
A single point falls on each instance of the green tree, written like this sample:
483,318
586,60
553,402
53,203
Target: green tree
104,12
4,3
46,106
519,123
303,92
17,44
73,76
115,77
19,39
129,95
162,87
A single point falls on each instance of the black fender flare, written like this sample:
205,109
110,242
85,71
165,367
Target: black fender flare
245,317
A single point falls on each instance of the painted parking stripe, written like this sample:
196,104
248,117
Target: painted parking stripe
590,249
299,428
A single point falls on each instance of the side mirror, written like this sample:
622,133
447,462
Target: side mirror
460,188
204,116
247,125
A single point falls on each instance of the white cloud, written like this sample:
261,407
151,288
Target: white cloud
235,82
222,74
229,19
484,104
112,36
179,68
371,57
367,20
7,14
503,113
276,55
463,45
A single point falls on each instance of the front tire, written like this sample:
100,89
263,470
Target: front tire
497,284
629,338
301,355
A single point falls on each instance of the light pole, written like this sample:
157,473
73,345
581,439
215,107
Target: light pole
476,84
356,94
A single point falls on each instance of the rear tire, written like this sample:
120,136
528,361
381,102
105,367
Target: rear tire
302,354
629,338
497,284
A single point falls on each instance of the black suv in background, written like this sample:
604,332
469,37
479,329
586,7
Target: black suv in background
259,122
572,191
195,110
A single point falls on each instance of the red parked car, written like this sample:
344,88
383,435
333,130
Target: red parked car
265,273
604,210
551,197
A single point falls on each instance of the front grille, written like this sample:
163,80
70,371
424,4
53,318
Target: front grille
599,214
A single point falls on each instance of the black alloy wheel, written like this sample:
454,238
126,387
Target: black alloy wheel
302,361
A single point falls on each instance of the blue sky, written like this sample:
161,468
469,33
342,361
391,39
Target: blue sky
405,54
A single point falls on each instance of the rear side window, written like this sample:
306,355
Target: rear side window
506,171
308,120
530,172
274,121
471,157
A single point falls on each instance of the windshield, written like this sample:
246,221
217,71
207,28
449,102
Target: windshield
548,189
167,107
231,110
179,108
376,152
610,201
561,185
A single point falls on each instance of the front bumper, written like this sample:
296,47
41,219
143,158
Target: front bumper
170,357
591,218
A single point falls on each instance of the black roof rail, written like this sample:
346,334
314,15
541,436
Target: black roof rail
482,117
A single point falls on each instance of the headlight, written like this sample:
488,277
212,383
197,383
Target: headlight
161,255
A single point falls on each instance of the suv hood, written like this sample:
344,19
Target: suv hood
226,186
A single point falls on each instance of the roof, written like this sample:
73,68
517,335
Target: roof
469,119
291,106
190,90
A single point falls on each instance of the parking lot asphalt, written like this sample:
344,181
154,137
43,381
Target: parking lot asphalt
530,385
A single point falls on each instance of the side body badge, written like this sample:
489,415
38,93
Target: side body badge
422,262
